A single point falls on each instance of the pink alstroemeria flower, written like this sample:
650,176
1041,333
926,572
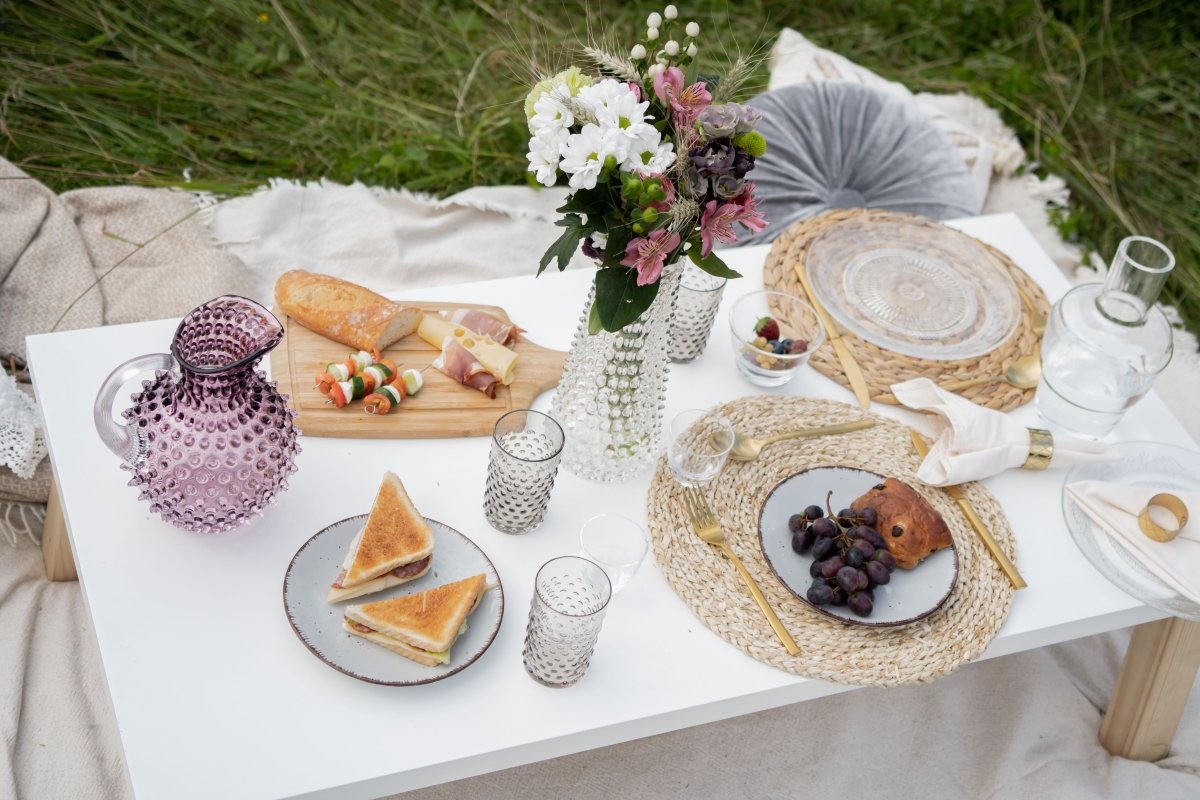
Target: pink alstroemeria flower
717,221
685,103
648,254
636,89
751,217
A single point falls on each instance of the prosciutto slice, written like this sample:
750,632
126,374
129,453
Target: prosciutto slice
460,364
485,324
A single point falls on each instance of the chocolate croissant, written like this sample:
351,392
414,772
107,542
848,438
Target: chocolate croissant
910,526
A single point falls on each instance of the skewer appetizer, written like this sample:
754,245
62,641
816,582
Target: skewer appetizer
356,377
390,395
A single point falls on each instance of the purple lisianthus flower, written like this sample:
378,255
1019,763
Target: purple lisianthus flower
718,122
727,186
693,182
589,249
743,162
747,118
714,158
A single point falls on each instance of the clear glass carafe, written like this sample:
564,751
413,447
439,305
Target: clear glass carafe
1105,343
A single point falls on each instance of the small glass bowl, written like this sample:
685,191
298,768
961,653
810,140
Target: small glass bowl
797,321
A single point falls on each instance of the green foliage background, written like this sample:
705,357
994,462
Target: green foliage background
428,94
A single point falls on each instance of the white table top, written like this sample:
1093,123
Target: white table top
215,696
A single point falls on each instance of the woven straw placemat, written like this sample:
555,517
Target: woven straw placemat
882,367
920,652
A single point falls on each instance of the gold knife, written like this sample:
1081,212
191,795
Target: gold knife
854,373
959,496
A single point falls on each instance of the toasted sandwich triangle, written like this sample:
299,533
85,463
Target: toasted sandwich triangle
395,534
429,620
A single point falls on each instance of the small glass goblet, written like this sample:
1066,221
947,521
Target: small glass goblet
699,445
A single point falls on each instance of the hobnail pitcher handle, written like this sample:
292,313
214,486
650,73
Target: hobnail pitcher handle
119,437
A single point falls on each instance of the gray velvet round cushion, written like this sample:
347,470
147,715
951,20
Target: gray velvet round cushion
842,145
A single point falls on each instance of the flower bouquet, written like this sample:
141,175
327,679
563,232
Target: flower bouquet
657,159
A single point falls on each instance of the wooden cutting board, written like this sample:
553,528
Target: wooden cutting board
443,407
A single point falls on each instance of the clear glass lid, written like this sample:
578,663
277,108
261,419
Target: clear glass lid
913,288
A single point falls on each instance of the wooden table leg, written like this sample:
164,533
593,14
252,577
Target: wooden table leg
56,547
1152,689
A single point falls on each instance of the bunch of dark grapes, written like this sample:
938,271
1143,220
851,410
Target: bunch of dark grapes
850,558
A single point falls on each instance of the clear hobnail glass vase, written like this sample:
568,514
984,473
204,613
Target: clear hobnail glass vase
614,386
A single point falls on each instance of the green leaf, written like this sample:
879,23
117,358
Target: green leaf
594,323
564,246
712,265
614,248
619,300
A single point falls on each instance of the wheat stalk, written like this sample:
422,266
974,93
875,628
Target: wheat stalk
614,65
732,81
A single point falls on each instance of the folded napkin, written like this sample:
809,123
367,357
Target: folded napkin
973,442
1115,508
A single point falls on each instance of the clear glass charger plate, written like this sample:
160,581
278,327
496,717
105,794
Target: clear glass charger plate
913,288
909,596
1162,466
318,623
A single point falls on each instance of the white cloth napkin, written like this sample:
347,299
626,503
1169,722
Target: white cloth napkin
973,442
1115,508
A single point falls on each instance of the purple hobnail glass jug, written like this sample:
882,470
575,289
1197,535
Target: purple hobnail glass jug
209,441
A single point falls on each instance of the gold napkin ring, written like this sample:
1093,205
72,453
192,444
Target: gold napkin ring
1041,449
1171,504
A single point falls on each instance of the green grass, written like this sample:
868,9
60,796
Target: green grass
427,95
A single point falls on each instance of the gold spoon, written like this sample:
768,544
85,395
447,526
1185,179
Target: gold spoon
748,449
1024,373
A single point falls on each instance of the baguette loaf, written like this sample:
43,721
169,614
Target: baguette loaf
344,312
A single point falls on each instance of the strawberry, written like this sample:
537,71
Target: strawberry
767,328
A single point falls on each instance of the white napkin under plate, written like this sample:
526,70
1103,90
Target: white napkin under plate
973,442
1114,507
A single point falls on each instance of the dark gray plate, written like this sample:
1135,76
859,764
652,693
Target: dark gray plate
911,594
318,623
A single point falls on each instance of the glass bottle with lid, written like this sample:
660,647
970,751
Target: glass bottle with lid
1105,343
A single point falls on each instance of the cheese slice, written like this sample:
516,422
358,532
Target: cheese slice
495,357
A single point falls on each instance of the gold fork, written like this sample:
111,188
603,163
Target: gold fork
707,528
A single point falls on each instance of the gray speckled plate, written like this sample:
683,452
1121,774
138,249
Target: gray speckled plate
912,593
318,623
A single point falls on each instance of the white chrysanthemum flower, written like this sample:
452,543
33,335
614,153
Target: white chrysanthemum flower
616,106
692,30
648,153
603,92
651,34
584,154
672,48
654,20
545,153
638,52
599,240
551,110
671,12
692,50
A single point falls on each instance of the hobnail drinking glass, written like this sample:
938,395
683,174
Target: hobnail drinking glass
526,447
570,595
695,309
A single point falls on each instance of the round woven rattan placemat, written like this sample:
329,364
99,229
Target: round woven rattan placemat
920,652
882,367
